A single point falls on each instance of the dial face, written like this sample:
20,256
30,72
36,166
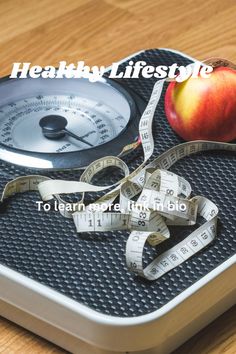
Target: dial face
64,123
93,121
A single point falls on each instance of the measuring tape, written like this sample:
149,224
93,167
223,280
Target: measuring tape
150,199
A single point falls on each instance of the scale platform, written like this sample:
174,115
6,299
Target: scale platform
75,290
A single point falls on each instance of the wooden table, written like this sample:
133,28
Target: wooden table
44,32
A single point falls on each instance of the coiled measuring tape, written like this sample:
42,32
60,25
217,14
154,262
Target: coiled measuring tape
163,199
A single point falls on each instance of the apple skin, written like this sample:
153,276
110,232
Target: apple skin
204,108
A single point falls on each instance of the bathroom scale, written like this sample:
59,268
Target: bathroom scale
75,289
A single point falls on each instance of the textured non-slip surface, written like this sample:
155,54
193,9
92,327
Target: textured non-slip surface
91,268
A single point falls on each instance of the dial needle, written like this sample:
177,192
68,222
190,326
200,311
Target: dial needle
54,127
77,137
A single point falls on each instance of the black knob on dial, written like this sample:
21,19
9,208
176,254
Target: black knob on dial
53,126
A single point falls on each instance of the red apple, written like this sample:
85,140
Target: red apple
204,108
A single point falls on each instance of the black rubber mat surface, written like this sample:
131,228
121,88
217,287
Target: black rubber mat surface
90,268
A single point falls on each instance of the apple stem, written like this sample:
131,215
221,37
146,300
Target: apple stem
219,62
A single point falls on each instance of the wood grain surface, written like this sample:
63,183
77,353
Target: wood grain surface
44,32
